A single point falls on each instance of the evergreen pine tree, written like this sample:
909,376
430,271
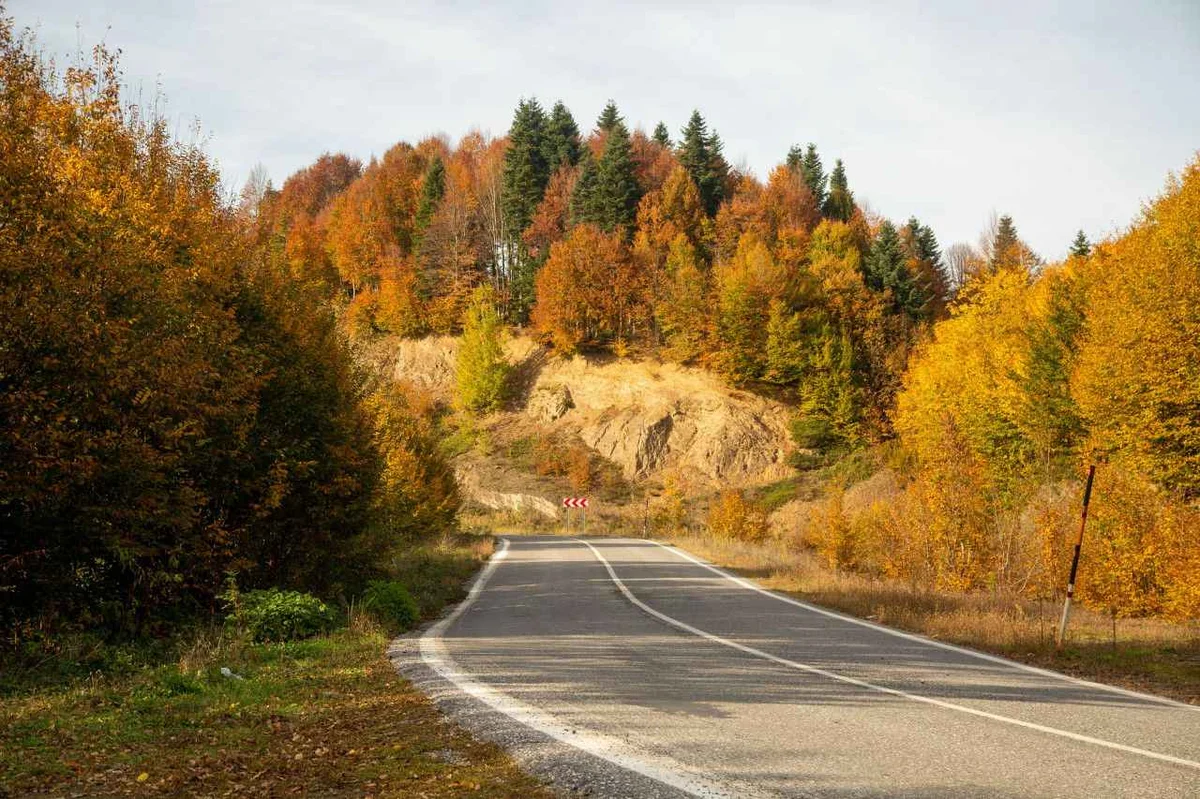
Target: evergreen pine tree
795,158
1081,247
707,168
718,169
584,199
814,174
839,203
929,276
432,189
662,135
923,246
609,117
883,259
885,268
562,138
1006,246
617,191
526,172
926,246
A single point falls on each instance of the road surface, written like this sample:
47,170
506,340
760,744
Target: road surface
658,675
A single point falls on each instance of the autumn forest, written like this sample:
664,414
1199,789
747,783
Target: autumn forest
182,401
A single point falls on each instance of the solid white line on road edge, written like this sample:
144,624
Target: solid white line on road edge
871,686
437,657
1162,700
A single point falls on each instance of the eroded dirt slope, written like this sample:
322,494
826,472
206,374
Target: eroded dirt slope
649,418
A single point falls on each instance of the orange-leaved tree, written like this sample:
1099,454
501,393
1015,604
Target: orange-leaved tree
588,292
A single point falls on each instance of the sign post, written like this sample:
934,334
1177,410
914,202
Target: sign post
576,502
1066,614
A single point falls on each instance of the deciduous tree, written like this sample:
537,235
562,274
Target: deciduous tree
481,371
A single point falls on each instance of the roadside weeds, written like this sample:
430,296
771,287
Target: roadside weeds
326,716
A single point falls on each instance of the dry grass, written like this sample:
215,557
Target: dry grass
327,716
1148,654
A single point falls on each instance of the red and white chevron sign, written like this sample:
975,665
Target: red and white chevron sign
575,502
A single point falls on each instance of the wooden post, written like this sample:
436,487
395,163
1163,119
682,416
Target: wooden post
1066,614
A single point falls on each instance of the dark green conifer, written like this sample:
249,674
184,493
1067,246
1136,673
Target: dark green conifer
814,174
930,279
1081,247
562,138
795,158
526,172
885,257
617,191
839,204
433,187
662,135
1006,246
885,268
718,168
609,118
584,204
700,154
925,244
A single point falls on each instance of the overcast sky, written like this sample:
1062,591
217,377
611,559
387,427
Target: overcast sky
1065,119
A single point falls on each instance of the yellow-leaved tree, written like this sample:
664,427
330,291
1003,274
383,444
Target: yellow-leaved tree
481,369
1138,376
965,385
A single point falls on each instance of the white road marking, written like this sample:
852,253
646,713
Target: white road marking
871,686
1162,700
437,657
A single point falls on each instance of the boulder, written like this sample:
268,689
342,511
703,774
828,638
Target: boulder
549,403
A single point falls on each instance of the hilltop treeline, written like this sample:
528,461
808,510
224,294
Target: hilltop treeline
626,241
174,407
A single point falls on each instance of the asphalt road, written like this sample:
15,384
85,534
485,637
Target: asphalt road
657,675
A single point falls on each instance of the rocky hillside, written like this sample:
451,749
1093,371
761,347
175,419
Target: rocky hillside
652,420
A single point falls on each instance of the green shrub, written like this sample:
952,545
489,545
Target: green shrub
275,615
813,432
806,461
391,603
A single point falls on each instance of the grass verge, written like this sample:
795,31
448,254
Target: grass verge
1146,655
326,716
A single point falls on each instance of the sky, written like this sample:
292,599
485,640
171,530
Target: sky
1066,118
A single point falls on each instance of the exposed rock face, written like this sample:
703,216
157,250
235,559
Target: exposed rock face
651,417
427,362
632,438
498,500
644,416
549,403
469,482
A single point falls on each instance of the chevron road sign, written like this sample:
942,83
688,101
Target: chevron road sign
575,502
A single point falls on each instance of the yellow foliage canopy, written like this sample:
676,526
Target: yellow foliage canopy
1138,376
